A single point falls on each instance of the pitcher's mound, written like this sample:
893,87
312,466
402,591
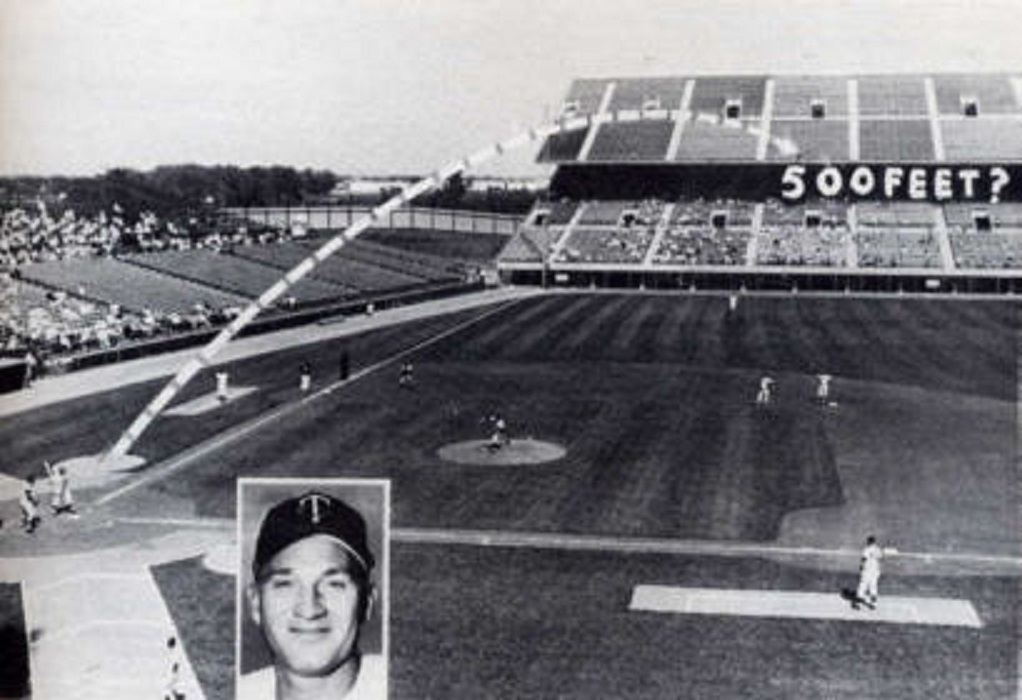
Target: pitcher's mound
516,452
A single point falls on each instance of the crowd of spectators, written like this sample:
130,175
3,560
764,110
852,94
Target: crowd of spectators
53,322
38,232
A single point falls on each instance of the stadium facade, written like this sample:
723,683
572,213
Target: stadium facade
843,183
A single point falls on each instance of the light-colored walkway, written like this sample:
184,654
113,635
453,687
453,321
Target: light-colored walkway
55,389
97,624
103,636
803,605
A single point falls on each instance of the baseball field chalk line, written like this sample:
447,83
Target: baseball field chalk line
803,605
550,540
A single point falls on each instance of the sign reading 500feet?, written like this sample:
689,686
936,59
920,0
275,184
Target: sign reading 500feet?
988,183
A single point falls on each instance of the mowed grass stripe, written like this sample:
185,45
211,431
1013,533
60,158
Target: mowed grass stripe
886,360
531,342
942,360
986,341
622,343
479,341
652,469
606,315
669,333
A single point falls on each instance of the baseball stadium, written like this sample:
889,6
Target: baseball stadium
649,526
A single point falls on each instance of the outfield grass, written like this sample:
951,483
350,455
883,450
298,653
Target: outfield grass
652,397
500,623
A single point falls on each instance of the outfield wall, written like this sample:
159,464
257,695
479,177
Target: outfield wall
329,217
730,279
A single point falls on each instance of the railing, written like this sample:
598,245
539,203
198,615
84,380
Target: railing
339,217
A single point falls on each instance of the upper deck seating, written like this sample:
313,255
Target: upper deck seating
795,96
892,96
991,94
904,140
645,139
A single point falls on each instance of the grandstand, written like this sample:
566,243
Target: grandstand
833,182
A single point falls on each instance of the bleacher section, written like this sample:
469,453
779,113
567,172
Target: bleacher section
642,140
896,141
988,250
233,274
1005,215
562,146
992,94
810,235
706,142
586,94
892,96
612,232
980,139
795,96
712,93
897,235
980,118
707,233
127,285
647,93
531,244
346,277
606,245
817,141
921,173
905,248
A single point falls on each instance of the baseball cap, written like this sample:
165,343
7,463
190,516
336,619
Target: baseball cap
312,513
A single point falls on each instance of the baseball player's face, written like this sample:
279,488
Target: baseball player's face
307,604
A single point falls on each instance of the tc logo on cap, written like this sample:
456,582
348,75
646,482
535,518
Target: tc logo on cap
312,503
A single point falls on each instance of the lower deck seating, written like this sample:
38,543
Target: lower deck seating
701,245
902,248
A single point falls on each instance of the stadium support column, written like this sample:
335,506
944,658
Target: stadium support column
943,240
853,119
608,94
660,228
753,245
1016,84
766,121
679,121
934,114
204,358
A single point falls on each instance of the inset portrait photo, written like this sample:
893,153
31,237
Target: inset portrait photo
312,591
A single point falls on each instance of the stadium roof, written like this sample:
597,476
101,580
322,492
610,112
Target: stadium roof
911,118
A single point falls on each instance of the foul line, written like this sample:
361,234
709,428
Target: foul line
173,464
542,540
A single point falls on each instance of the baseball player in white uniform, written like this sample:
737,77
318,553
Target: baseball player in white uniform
29,504
61,500
866,593
823,389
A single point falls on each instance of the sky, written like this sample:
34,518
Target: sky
404,86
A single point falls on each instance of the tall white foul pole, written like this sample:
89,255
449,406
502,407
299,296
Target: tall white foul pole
204,357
